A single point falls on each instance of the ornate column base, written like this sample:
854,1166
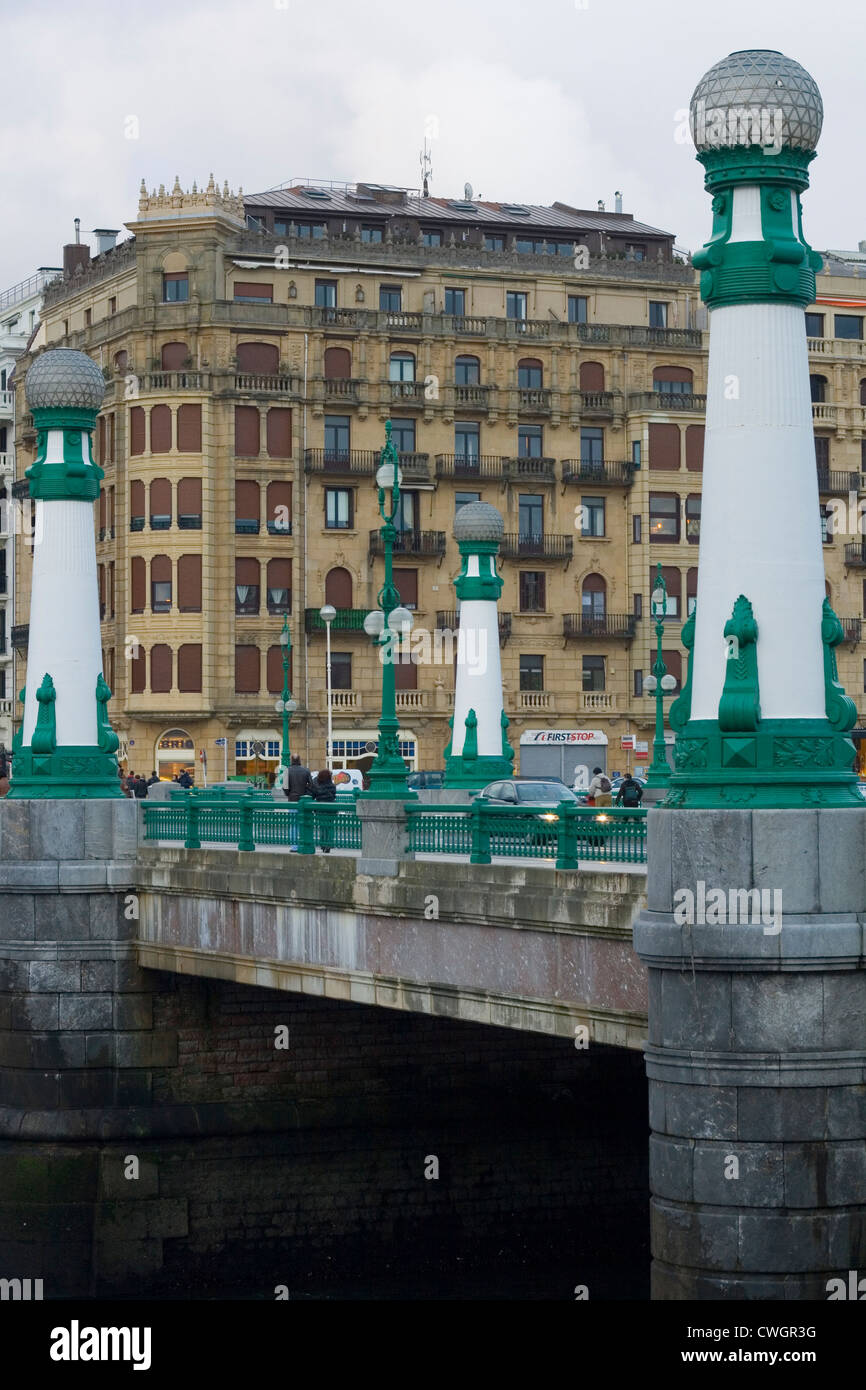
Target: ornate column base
67,774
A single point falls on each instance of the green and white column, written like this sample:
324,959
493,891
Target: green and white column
762,720
479,751
66,747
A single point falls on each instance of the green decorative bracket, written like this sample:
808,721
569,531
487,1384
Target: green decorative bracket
840,708
44,738
680,711
470,738
447,752
739,707
507,750
106,737
18,738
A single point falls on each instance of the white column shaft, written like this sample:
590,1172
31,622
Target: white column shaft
479,677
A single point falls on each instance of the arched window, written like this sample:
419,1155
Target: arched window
593,600
258,359
160,668
121,360
591,376
174,356
530,374
338,588
467,371
338,364
818,388
402,366
673,381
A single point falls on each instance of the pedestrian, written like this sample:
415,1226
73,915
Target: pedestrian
184,780
630,792
4,776
123,781
299,781
130,783
154,777
139,791
325,790
598,791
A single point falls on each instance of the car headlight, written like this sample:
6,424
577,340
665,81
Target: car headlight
602,817
549,816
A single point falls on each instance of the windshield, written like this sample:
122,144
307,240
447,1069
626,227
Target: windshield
544,791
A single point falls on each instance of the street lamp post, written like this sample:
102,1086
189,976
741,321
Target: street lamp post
285,706
386,626
328,613
660,683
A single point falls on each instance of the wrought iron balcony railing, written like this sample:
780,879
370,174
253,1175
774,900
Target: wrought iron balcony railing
599,473
520,547
599,625
411,543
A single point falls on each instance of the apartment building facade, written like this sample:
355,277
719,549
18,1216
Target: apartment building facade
550,361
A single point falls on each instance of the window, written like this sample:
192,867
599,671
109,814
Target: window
139,670
531,518
493,242
467,440
532,591
635,451
406,582
664,447
848,325
467,371
138,582
673,587
532,672
246,587
406,519
695,448
189,667
160,584
637,605
636,529
638,682
592,516
279,575
341,670
274,680
278,432
338,364
390,299
636,251
175,287
136,505
88,317
401,366
311,231
326,294
279,509
577,308
461,498
247,670
591,377
515,304
336,439
252,292
247,507
339,509
664,516
160,668
259,359
658,314
173,356
673,381
189,584
529,374
371,234
863,455
189,429
593,673
674,662
822,452
529,442
112,304
403,435
455,302
691,590
814,325
693,518
432,238
338,588
160,429
247,425
160,504
591,449
817,388
593,599
826,532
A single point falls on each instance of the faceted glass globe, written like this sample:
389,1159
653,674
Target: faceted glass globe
478,521
740,100
64,377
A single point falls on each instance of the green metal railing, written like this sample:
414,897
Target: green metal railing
566,835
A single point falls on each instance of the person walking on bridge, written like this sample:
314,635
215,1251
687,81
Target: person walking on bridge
299,781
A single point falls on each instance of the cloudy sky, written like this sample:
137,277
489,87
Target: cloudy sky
528,100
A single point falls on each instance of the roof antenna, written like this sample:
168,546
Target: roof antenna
426,167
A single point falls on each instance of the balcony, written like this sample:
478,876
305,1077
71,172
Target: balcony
595,701
7,404
20,636
345,699
279,528
21,487
448,620
255,384
136,523
852,628
412,699
410,543
599,403
415,468
594,625
823,414
517,547
407,392
537,470
247,526
486,466
7,463
666,400
533,400
836,347
535,699
342,462
474,397
855,554
831,480
343,388
175,381
346,620
601,473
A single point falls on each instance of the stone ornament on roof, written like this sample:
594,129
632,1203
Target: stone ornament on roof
177,202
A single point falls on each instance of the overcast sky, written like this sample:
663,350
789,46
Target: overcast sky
531,100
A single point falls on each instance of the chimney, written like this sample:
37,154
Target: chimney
861,246
601,205
74,254
106,239
617,201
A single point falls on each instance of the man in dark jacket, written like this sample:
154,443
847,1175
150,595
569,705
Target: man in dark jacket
184,780
298,780
153,779
630,792
139,791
